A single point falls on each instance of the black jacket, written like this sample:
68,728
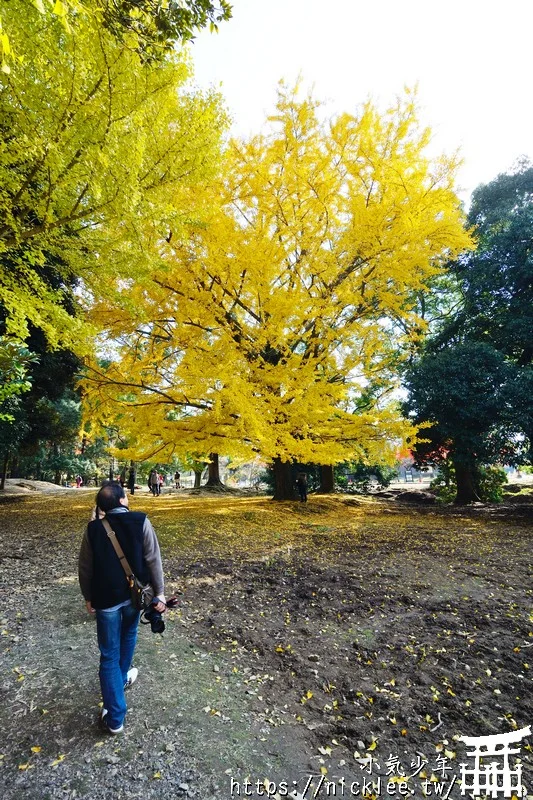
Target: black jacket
109,585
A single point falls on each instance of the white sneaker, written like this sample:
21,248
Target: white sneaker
131,677
106,726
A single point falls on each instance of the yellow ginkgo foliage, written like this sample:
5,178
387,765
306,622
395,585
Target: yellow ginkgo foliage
96,144
278,322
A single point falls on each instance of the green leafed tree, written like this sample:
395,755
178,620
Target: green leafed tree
475,378
15,361
466,392
496,279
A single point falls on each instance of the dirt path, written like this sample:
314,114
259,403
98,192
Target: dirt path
337,633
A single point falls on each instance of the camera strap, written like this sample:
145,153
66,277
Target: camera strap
118,550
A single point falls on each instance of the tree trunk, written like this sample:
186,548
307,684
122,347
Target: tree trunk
466,487
283,481
214,471
4,472
197,478
327,479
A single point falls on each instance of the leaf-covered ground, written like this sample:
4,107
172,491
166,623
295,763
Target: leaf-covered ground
310,639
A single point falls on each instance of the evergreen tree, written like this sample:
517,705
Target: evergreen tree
475,376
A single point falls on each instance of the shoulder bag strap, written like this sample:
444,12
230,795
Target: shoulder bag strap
118,549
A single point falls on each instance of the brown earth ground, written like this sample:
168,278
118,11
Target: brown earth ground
309,638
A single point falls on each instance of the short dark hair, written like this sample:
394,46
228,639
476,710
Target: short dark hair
110,496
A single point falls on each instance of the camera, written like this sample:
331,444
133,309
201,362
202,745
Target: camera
155,618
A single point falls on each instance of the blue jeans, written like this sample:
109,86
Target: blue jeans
117,635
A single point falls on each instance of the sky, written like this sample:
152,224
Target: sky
472,61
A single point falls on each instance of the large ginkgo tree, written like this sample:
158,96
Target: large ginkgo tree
293,291
97,148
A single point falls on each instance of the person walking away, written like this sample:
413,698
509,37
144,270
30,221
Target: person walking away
177,477
131,480
301,483
79,481
106,591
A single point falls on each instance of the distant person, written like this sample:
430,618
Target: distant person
161,482
79,481
153,482
131,480
301,483
177,477
107,593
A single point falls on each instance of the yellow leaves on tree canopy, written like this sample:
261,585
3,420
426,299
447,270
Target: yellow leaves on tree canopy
96,148
269,321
